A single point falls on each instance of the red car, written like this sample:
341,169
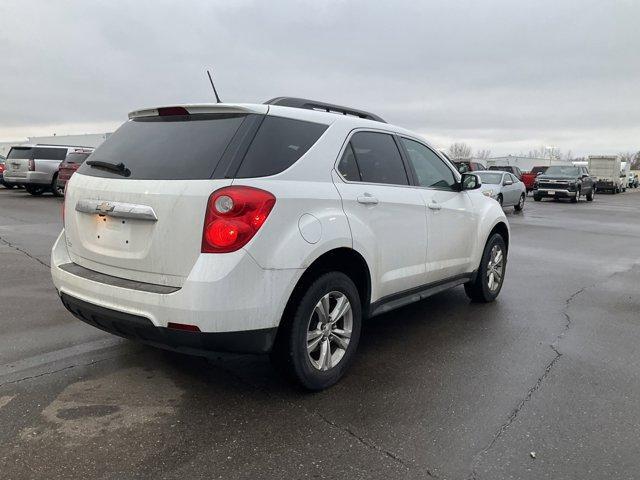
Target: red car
529,178
70,164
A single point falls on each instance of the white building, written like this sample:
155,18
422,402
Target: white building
525,164
85,140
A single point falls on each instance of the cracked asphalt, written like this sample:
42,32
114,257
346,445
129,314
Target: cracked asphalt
441,389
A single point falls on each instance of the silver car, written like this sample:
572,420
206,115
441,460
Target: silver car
35,167
503,187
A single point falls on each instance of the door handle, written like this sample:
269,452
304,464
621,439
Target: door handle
434,206
367,199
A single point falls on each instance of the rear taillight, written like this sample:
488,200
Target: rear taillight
32,165
234,215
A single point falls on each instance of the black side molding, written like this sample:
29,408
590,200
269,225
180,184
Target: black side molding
397,300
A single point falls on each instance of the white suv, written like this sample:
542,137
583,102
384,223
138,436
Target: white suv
269,228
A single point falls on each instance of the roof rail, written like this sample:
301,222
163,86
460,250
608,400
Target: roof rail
322,106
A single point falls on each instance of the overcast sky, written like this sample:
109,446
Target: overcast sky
503,75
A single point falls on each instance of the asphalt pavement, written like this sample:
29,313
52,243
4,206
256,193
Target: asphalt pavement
543,383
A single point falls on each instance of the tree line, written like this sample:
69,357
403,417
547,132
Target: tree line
459,150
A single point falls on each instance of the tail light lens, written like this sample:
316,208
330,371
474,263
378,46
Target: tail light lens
234,215
32,165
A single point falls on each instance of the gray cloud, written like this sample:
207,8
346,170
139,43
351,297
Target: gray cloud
498,74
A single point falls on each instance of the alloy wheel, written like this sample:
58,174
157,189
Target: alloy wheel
329,330
495,268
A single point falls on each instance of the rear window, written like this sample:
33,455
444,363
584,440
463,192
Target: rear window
279,143
42,153
76,157
177,147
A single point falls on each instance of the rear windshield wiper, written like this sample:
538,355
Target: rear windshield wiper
118,168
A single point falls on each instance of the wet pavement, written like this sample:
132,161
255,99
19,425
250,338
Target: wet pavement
543,383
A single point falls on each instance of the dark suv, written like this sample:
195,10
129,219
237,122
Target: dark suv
564,182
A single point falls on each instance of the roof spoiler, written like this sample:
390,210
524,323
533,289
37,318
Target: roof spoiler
322,106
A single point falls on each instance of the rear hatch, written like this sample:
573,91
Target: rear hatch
17,163
135,209
71,164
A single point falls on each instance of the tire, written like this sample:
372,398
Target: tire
520,205
536,198
499,199
479,289
35,190
293,352
57,192
590,195
576,199
7,185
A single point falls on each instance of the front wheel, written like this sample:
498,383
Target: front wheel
490,275
536,198
499,198
317,344
590,195
576,198
35,190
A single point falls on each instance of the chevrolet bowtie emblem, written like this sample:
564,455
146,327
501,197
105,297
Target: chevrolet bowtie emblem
105,207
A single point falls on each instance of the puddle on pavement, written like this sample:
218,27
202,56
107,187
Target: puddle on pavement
125,399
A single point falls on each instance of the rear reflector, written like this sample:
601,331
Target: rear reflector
183,326
169,111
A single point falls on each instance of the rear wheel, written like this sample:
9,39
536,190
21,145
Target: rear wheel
35,190
520,205
317,344
488,282
57,190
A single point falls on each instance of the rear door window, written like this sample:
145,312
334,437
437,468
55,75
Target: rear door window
179,147
278,144
378,158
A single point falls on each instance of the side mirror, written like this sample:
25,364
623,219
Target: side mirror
584,175
470,181
508,182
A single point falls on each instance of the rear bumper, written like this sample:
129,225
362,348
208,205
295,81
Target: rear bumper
135,327
37,178
228,295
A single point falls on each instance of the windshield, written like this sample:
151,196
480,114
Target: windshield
491,178
564,171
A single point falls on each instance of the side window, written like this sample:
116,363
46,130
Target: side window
514,179
279,143
378,158
348,167
430,169
49,153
